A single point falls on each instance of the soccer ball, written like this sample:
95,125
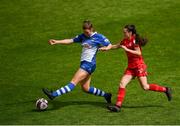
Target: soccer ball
41,104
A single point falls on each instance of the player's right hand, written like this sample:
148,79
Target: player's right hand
52,41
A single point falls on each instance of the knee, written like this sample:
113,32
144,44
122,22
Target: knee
85,88
145,87
122,85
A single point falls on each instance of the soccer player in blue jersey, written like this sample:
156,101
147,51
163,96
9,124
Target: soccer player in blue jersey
91,42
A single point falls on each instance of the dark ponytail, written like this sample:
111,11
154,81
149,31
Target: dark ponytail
139,40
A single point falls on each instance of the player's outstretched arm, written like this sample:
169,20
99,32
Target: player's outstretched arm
64,41
116,46
105,48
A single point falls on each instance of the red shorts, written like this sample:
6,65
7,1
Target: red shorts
139,71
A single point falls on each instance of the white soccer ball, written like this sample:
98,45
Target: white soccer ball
41,104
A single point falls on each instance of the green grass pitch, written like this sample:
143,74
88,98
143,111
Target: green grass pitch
28,63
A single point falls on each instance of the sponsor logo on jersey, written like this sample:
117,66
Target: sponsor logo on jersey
86,45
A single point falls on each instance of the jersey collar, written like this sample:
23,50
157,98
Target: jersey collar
93,34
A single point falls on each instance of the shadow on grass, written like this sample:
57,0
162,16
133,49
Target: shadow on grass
61,104
55,105
143,106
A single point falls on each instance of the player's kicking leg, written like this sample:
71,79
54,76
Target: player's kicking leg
79,76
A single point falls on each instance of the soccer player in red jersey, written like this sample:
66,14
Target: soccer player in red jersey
132,43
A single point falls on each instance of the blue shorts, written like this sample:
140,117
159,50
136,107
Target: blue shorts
87,66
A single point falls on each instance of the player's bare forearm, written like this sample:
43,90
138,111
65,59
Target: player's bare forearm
64,41
105,48
109,47
137,50
134,52
115,46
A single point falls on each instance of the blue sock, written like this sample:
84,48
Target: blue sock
95,91
63,90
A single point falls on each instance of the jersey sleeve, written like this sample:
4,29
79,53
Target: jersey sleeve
104,41
78,38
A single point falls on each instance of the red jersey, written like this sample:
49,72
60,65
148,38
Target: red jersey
133,60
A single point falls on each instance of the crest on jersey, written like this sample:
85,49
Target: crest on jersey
106,40
86,45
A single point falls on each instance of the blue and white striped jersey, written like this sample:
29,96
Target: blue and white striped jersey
90,45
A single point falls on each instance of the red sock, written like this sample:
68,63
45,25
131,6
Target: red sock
155,87
120,97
